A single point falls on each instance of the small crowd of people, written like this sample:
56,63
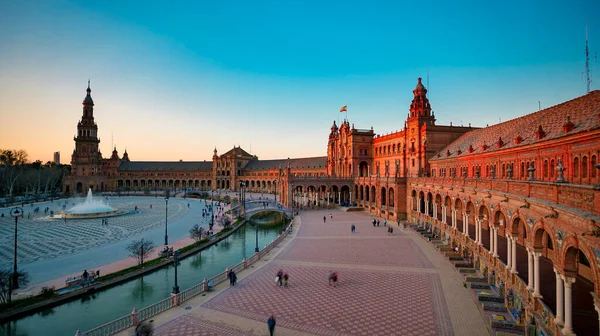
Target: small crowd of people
282,278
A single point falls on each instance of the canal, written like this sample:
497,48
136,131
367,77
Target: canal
96,309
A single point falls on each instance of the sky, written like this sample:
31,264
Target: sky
172,80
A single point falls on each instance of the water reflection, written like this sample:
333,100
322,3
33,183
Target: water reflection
196,262
141,290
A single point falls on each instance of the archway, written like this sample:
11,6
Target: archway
363,169
422,202
413,194
345,195
383,197
429,210
544,243
502,248
577,265
391,199
470,211
438,206
79,187
373,196
519,230
459,214
448,204
484,217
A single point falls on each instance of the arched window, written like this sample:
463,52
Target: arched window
545,168
522,169
584,166
576,167
552,168
594,174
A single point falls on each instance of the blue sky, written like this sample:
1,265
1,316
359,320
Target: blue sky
172,80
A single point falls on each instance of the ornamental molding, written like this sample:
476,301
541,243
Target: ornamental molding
492,206
597,254
530,222
509,212
560,236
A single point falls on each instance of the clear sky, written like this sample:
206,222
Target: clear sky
173,79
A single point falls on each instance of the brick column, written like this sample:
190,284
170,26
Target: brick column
496,242
514,256
444,214
509,252
427,208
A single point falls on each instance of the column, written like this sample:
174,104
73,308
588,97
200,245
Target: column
339,198
419,204
350,197
480,232
466,224
509,252
444,214
492,240
568,329
536,274
412,203
496,242
514,256
454,218
530,270
596,306
435,210
427,208
559,298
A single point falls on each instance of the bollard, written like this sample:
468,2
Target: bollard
245,263
134,316
204,284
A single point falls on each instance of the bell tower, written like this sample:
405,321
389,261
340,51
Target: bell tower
420,118
86,159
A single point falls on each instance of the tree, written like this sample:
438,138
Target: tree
140,249
196,232
225,221
5,283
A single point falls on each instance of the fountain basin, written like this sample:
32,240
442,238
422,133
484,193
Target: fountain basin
90,208
68,215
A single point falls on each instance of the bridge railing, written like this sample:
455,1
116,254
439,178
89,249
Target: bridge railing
174,300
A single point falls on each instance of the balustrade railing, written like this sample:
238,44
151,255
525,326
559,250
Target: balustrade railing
132,319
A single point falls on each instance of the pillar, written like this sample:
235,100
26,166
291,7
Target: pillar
444,214
454,218
427,208
435,210
491,240
596,306
509,252
412,202
481,232
496,242
514,256
350,200
339,198
536,274
419,204
559,298
530,270
466,224
568,329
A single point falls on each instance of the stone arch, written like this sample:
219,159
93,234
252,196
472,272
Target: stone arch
373,195
518,227
429,210
361,191
367,196
421,201
484,216
438,206
383,197
541,237
363,169
391,198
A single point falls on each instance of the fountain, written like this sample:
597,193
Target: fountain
90,208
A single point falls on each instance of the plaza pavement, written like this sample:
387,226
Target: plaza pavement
51,250
388,285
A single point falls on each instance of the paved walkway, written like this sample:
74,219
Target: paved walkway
388,285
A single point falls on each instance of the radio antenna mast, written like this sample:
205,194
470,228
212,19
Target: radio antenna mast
587,71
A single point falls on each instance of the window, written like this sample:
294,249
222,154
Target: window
545,168
594,166
584,167
576,167
413,162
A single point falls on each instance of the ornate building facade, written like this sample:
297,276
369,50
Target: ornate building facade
521,198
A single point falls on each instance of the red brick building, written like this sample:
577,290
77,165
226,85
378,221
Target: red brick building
522,198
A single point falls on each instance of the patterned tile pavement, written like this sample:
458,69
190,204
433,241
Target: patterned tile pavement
388,252
403,303
192,326
387,286
43,238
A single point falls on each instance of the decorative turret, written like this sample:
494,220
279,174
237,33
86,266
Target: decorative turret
334,128
115,154
125,156
215,153
420,104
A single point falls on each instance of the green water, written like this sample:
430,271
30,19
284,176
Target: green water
96,309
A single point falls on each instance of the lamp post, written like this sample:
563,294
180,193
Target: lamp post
15,212
256,249
175,261
292,201
212,214
166,213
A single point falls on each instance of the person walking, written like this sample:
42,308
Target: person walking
233,278
353,228
333,278
285,279
271,324
324,219
280,278
385,222
374,222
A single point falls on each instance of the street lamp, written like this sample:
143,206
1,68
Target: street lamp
212,214
15,212
256,249
166,213
175,261
292,201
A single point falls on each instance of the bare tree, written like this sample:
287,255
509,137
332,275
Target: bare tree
196,232
140,249
5,283
224,221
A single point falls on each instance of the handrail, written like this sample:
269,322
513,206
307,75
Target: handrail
132,319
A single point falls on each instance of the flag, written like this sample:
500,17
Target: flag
343,109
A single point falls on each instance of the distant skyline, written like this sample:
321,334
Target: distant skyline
173,80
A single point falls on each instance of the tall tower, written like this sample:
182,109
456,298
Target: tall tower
86,159
419,119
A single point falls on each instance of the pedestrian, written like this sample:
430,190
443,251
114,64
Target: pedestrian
374,222
385,222
285,279
352,228
333,278
398,221
233,278
271,324
378,221
280,278
330,216
324,219
391,231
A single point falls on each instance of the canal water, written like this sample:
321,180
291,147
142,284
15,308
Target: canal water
96,309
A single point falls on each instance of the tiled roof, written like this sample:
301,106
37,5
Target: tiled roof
579,115
165,166
311,162
236,151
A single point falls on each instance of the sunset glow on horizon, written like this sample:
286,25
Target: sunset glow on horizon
173,80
